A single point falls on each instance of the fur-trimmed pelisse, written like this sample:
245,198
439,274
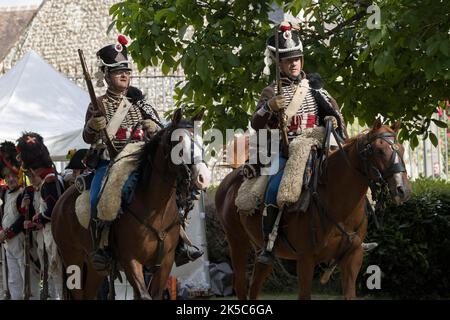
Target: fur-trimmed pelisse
8,158
292,180
32,151
108,206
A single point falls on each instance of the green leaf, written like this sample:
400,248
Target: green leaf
160,14
439,123
154,61
165,69
414,142
147,53
379,65
202,68
111,26
433,139
375,37
444,47
114,8
233,60
182,31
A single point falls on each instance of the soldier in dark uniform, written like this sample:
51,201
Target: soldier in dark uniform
114,68
311,111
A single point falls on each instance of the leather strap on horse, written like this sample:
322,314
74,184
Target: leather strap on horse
160,235
323,211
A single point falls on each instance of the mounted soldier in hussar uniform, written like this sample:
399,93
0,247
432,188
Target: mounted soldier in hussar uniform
303,98
123,116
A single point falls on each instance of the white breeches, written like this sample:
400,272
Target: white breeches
15,255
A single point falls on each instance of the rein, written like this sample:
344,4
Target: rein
184,205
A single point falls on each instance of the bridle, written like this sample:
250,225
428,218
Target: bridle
365,151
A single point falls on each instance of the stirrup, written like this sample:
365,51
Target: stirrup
265,257
101,261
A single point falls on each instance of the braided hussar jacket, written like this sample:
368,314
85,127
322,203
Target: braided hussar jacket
139,110
316,106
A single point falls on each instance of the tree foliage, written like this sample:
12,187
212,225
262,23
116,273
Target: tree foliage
400,70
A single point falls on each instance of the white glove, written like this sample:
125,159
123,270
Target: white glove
149,126
97,123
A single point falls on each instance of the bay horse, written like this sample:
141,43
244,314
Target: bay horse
150,220
338,228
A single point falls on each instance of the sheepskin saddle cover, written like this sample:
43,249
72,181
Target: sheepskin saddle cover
299,149
121,177
118,185
251,193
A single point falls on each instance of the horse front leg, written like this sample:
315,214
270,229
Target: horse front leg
159,280
260,273
350,266
305,274
135,275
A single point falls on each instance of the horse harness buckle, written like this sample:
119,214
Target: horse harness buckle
162,235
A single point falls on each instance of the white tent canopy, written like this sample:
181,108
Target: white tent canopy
35,97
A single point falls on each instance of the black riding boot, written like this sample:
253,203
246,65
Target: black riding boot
101,256
185,253
266,257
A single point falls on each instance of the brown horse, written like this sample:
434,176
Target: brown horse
151,219
339,228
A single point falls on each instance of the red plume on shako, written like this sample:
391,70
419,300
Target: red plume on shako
122,40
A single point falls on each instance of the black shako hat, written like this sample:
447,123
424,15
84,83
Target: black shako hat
114,56
76,162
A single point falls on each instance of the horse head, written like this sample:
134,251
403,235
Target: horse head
182,152
382,160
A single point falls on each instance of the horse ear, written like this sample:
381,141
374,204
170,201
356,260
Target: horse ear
199,115
396,126
177,116
377,124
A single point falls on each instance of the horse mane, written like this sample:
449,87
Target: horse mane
350,142
145,156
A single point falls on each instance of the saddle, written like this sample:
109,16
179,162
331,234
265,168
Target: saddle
294,186
118,187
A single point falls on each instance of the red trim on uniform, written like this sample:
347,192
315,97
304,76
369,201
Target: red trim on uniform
124,133
297,121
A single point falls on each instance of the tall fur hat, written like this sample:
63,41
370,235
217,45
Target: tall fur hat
8,159
32,151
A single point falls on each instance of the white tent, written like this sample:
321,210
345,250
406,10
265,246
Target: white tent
35,97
